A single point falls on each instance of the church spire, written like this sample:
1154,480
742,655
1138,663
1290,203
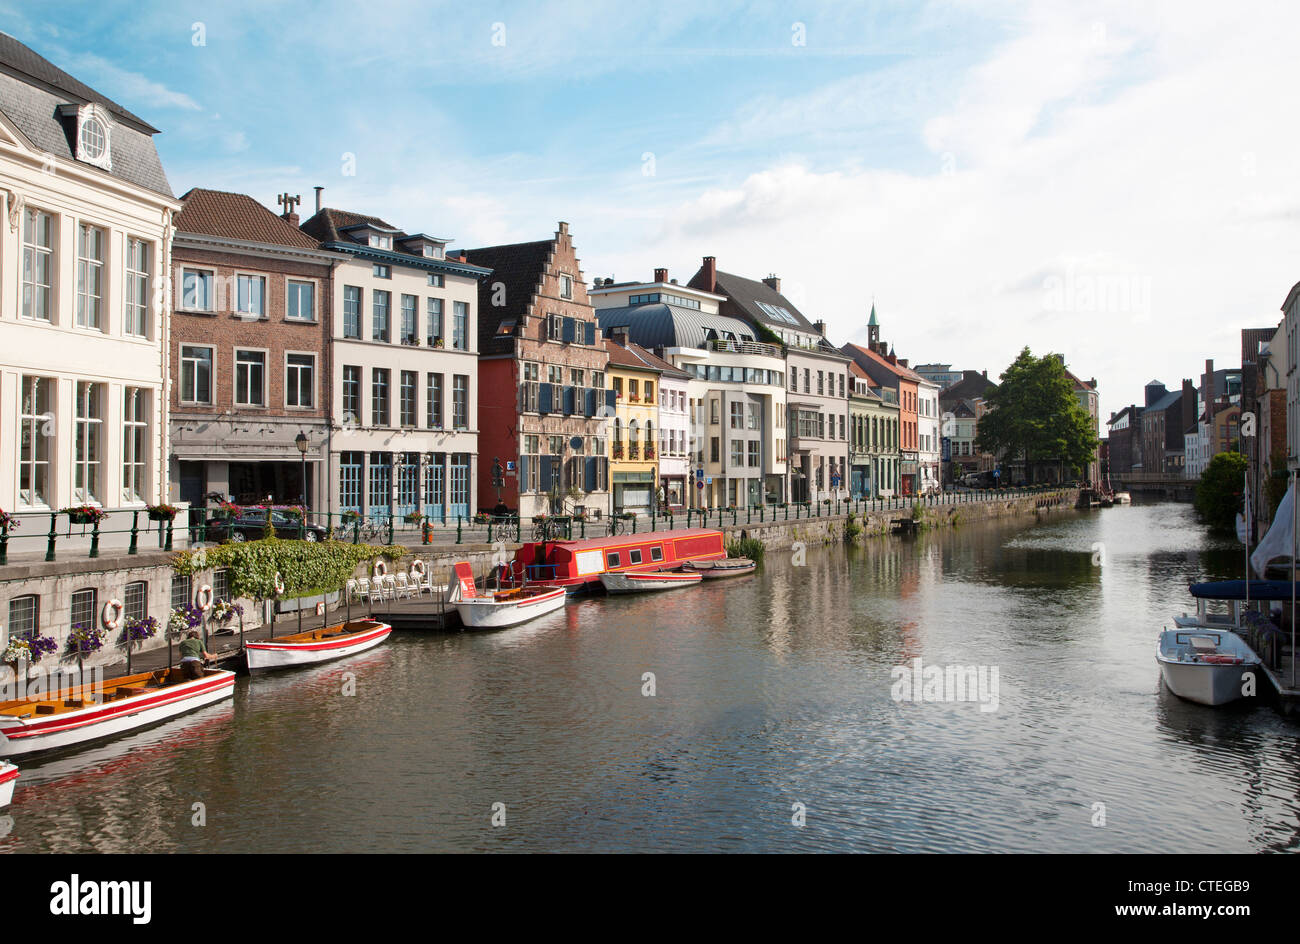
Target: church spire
873,327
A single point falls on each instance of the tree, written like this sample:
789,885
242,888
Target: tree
1219,493
1034,415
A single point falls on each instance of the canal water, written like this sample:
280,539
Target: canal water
773,707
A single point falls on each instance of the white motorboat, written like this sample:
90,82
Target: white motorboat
318,645
8,780
36,723
1123,498
501,608
719,569
1207,666
653,580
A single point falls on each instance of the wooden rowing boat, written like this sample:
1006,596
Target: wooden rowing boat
317,645
36,723
644,582
8,780
717,570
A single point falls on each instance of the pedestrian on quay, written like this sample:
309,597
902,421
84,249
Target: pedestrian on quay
193,655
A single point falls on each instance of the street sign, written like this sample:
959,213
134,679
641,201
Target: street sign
947,449
708,480
510,465
699,473
835,480
699,483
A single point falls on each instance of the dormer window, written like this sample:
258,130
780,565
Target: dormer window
381,242
94,131
432,251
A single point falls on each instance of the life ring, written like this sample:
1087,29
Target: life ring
417,567
380,568
115,606
203,599
279,584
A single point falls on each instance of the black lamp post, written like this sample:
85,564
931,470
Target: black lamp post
301,442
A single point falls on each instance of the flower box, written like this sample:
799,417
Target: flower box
161,512
85,514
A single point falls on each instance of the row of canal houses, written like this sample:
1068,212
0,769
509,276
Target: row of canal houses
202,348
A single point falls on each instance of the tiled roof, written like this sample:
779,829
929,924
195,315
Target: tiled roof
519,269
237,216
878,367
328,222
31,93
972,385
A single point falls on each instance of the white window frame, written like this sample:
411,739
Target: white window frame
291,371
266,361
31,251
131,311
211,293
87,473
86,266
212,376
135,463
237,304
38,425
288,294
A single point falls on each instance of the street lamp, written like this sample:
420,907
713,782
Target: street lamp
301,442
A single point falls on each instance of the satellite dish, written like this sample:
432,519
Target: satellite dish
575,442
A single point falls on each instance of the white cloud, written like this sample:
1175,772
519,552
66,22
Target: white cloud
123,85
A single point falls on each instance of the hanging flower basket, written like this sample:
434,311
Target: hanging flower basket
161,512
223,611
185,617
84,514
226,510
8,522
28,649
139,629
351,517
85,639
413,517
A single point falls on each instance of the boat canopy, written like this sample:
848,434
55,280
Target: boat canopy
1236,590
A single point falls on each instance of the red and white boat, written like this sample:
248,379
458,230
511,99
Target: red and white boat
641,583
317,645
577,565
502,608
8,780
35,723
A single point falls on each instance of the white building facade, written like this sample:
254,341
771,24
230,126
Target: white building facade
84,243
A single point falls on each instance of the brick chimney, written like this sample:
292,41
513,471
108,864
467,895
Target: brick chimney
820,326
773,283
619,335
661,275
710,274
902,362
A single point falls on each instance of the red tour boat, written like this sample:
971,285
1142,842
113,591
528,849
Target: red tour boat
577,565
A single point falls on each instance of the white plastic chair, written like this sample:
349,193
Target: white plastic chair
351,588
403,589
390,586
363,588
421,582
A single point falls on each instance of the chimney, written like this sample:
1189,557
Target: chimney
661,275
773,283
985,374
902,361
619,335
820,326
710,274
289,201
319,191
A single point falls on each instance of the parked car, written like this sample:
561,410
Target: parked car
251,524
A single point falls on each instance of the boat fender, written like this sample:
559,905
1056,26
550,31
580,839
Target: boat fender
114,621
279,584
203,599
380,568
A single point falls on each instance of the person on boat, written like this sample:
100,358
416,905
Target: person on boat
193,655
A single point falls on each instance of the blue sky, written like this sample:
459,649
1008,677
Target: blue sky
1112,183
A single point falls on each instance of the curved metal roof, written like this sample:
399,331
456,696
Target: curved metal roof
662,325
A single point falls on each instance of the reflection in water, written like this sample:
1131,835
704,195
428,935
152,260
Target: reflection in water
770,690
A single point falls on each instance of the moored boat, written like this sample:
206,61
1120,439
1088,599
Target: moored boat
1123,498
1206,666
716,570
8,780
318,645
644,582
35,723
501,608
577,565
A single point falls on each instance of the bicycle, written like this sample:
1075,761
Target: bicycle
372,532
547,529
617,525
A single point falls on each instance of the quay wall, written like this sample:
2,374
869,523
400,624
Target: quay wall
53,583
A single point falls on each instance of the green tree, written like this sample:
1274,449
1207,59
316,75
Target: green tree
1034,415
1219,493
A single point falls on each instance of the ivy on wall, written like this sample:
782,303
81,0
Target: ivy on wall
305,567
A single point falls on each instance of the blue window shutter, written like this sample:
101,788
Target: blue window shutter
589,474
523,473
591,402
569,396
610,399
545,484
589,333
544,398
567,331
